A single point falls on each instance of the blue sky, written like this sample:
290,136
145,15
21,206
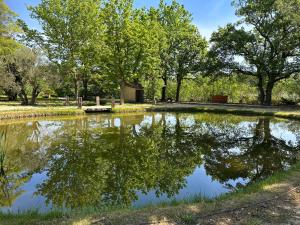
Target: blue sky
208,14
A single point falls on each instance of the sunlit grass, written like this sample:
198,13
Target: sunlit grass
53,107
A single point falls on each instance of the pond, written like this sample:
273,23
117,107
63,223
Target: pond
138,159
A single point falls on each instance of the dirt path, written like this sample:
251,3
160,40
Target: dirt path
281,208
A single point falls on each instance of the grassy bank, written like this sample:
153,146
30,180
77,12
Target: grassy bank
14,112
29,112
182,212
282,112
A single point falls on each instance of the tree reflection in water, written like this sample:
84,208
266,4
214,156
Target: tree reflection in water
254,154
106,160
19,158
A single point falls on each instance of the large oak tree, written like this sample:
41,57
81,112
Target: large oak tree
264,43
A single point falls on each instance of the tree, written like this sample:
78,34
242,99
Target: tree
263,44
8,28
72,35
185,46
8,44
191,50
132,41
23,71
291,8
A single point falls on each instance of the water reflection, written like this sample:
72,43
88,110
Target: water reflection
103,160
19,158
251,153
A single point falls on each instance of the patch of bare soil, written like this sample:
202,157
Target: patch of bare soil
282,207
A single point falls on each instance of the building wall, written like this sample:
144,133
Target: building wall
130,94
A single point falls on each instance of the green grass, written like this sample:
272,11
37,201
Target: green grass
218,109
28,112
9,110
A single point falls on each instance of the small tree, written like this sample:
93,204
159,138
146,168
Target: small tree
264,44
23,71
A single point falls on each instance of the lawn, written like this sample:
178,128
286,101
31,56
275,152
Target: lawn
11,110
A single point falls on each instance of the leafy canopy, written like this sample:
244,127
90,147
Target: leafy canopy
264,44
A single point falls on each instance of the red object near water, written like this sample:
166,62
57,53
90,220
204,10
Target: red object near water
219,99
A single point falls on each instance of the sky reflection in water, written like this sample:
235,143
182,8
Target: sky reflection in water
138,159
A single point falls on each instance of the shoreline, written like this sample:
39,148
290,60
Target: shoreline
17,112
237,205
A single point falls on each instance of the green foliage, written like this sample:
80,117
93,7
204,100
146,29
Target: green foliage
7,28
269,50
290,8
22,72
96,47
202,89
72,36
133,41
185,47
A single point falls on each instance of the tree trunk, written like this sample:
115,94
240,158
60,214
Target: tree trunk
76,89
11,95
178,90
23,97
265,94
85,89
34,95
261,97
269,92
122,88
164,90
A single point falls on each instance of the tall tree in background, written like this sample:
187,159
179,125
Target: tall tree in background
185,46
132,41
264,44
190,52
72,35
8,27
8,44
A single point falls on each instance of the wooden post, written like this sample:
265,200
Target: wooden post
98,101
154,101
79,102
113,103
67,101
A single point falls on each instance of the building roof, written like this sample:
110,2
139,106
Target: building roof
137,86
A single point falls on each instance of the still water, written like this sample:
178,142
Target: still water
138,159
